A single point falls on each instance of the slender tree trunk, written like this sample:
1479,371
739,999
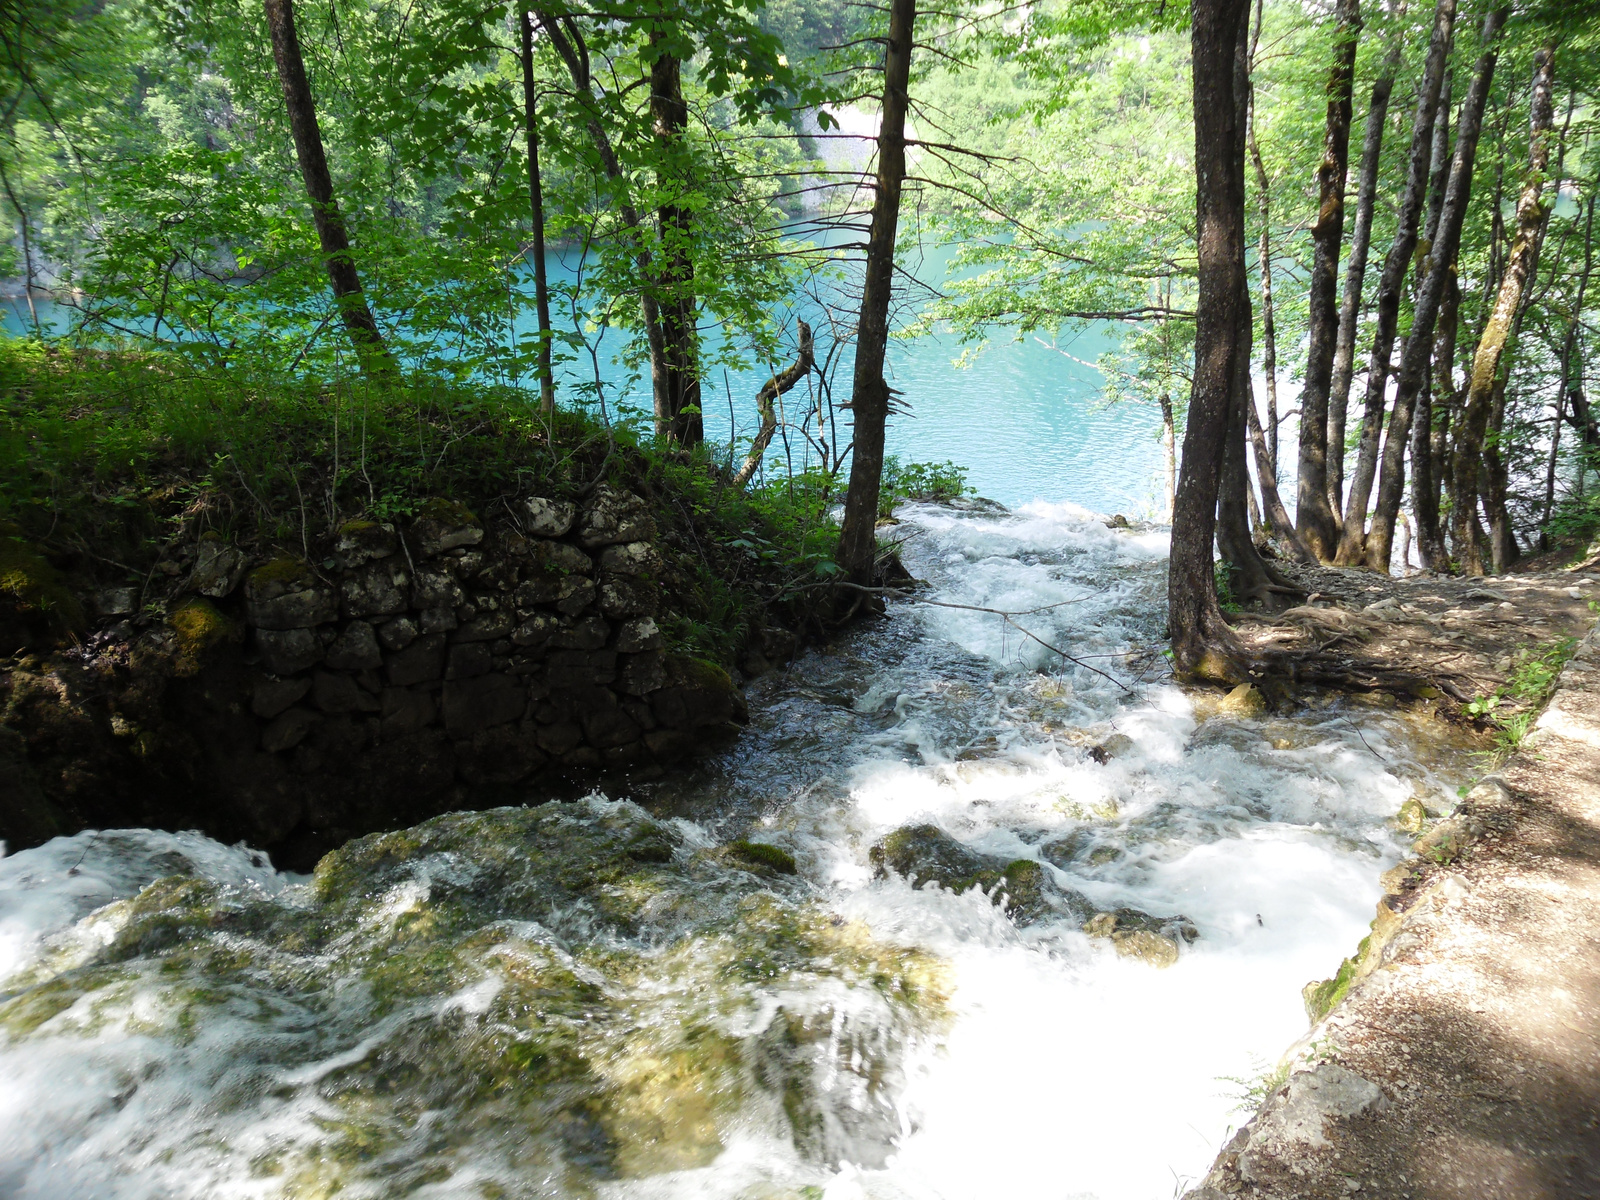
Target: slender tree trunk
779,384
568,42
1503,548
1407,220
1424,479
1433,432
1344,349
1489,360
1202,643
679,329
27,248
1441,264
1169,446
541,278
1438,173
371,349
1569,346
869,397
1318,526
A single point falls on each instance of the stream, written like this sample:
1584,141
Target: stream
599,999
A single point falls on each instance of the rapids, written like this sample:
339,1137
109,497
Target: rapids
599,999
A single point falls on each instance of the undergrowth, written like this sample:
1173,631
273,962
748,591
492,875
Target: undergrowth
1532,679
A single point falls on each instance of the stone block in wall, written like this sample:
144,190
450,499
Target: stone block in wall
437,620
591,633
556,740
360,542
443,525
620,758
638,635
375,590
583,757
341,739
469,660
669,744
557,558
547,518
406,710
218,567
535,633
420,662
639,710
272,696
634,559
505,754
486,626
288,651
339,694
355,649
435,587
288,730
580,668
643,673
697,693
621,596
612,516
284,594
471,705
398,633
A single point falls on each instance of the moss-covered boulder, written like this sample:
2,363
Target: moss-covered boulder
925,853
562,993
1138,935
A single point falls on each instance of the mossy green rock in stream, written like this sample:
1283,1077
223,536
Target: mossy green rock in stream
525,1001
926,853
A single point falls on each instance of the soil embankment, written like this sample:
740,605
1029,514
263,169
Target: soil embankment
1463,1060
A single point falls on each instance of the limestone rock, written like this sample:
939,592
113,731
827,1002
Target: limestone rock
288,730
536,632
558,558
1245,700
643,673
435,587
1115,746
1138,935
272,696
468,660
333,693
421,662
362,541
638,635
406,710
288,651
697,693
471,705
487,627
548,518
284,594
1298,1116
218,567
613,516
444,525
637,559
591,633
356,649
621,596
398,633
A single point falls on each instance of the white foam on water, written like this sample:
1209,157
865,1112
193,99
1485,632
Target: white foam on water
1064,1071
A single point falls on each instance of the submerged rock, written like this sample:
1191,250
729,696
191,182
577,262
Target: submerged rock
563,993
925,853
1135,934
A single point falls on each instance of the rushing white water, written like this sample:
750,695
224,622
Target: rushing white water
1058,1069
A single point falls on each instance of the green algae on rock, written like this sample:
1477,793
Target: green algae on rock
554,992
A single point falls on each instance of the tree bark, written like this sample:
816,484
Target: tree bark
675,278
1202,643
1318,527
541,278
1407,220
371,350
869,396
1169,448
1344,350
1490,358
778,385
1441,265
1569,346
1428,457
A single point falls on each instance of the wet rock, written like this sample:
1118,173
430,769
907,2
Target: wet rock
580,668
272,696
363,541
763,855
547,518
697,693
1138,935
356,649
284,594
1115,746
218,567
443,525
613,516
638,635
1411,817
421,662
926,853
560,738
288,651
638,559
1245,700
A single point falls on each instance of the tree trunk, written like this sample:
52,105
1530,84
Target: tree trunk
371,350
1489,360
568,42
27,250
1569,346
869,396
770,391
1318,526
1169,447
1344,350
675,279
1407,219
1202,643
1503,548
1433,432
1441,264
541,278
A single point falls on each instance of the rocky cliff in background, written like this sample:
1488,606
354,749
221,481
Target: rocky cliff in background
401,670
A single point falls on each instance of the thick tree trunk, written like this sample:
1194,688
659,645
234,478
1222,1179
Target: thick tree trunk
343,278
869,396
675,279
1489,360
1441,267
1407,221
1428,449
1569,347
1344,349
541,277
1202,643
777,386
1319,528
1503,548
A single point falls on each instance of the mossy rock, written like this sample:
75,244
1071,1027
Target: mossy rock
761,854
200,629
35,589
280,575
1411,817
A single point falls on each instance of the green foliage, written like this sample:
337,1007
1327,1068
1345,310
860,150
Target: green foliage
1533,677
1223,571
1250,1092
920,481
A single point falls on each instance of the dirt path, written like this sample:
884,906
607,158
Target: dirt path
1466,1062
